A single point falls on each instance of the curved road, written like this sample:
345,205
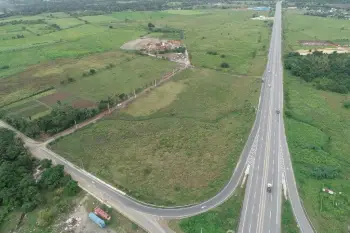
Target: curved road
262,152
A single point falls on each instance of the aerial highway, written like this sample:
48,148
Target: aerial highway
271,164
265,156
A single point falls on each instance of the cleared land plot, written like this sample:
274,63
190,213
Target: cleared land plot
202,124
302,27
318,134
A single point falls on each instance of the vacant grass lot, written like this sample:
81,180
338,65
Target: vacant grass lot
238,40
318,134
131,73
318,131
195,135
304,27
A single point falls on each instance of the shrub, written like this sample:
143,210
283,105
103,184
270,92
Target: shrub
347,104
222,55
4,67
92,71
224,65
212,53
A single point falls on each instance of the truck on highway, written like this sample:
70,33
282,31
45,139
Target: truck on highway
269,187
97,220
101,213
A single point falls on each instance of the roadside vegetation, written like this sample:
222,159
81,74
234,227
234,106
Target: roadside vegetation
199,120
318,126
30,191
289,225
224,218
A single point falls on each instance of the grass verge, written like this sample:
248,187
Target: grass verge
288,224
219,220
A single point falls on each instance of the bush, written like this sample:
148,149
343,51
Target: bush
45,163
212,53
347,104
224,65
222,55
4,67
92,71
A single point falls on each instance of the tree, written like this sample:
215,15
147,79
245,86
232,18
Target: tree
45,163
224,65
150,25
71,188
51,177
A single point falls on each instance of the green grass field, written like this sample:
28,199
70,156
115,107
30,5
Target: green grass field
131,73
303,27
202,123
318,136
318,132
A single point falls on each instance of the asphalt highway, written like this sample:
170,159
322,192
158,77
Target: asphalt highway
265,152
261,212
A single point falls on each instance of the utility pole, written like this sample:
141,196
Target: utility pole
109,110
134,93
75,124
155,82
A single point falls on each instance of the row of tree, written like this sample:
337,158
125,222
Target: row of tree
327,71
19,190
37,7
61,117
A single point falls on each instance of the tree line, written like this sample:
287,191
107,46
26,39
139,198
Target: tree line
103,6
329,72
20,190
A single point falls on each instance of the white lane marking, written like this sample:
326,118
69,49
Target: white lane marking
250,227
270,214
273,162
254,194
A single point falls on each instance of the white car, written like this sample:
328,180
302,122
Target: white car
269,85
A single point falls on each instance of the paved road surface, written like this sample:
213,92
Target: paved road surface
261,210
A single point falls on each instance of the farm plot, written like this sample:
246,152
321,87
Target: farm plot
203,123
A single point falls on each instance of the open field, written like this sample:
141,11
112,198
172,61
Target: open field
238,41
318,131
202,123
117,72
219,220
302,27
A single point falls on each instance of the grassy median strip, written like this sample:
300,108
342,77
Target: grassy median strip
288,223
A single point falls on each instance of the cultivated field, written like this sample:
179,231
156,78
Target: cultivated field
318,132
192,128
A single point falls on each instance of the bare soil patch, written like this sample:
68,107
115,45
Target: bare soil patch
53,98
82,103
325,50
315,42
